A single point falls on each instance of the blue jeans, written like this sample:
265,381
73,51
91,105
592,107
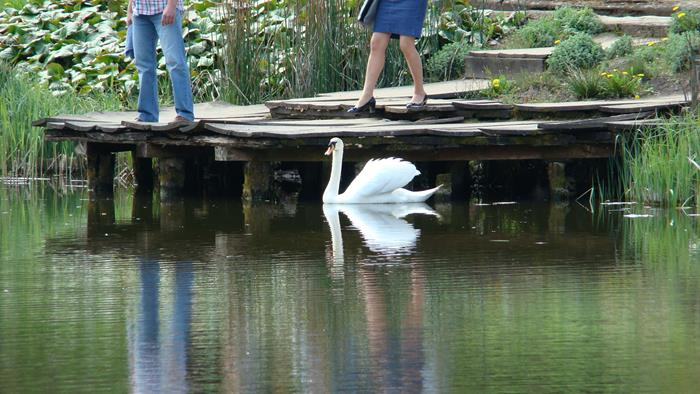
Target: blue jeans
147,30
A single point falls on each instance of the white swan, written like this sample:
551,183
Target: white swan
380,181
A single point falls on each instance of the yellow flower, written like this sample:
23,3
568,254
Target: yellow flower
640,75
603,74
651,43
557,42
681,15
614,69
609,76
676,8
625,73
496,83
664,39
636,97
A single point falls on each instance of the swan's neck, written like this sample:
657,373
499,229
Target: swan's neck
331,192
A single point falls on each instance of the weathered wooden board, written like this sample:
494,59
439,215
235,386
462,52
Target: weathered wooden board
642,107
581,125
593,105
481,105
437,90
627,125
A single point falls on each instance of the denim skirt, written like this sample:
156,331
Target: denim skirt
400,17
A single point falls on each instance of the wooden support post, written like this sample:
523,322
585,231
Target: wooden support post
172,177
142,208
556,173
100,170
143,174
455,183
257,182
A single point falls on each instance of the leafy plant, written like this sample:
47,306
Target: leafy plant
78,45
586,84
476,26
622,47
620,83
579,20
448,62
579,51
685,21
538,33
681,48
499,86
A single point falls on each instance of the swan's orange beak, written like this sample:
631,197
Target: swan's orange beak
329,151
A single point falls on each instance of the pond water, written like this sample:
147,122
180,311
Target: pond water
200,295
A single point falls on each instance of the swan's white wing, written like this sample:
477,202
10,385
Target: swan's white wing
382,176
380,229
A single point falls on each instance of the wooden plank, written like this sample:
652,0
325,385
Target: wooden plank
437,90
590,124
402,109
594,105
526,53
638,107
480,105
627,125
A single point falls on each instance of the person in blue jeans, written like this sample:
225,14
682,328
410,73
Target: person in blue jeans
151,20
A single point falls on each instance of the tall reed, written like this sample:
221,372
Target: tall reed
655,163
296,48
23,151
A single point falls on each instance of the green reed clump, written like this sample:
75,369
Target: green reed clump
23,151
656,166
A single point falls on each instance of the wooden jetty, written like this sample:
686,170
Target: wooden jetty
233,145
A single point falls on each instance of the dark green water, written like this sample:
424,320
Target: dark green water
131,295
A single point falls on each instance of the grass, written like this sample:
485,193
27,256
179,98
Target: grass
655,165
23,151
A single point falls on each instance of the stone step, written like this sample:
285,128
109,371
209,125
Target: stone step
487,63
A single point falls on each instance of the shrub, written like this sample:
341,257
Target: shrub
618,84
579,51
499,86
622,47
579,20
586,84
448,62
537,34
681,48
685,21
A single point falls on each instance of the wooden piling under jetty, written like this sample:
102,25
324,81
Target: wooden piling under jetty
449,130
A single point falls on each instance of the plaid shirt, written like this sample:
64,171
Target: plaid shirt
152,7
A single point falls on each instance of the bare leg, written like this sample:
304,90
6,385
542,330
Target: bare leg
408,47
375,65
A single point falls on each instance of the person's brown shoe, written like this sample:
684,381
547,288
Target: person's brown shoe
181,119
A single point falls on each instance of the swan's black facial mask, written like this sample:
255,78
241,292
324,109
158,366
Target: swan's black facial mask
331,148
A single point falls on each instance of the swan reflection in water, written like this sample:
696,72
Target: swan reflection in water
395,348
382,227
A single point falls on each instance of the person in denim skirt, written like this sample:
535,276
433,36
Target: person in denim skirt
402,19
151,20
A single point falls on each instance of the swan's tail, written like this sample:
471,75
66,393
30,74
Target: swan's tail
421,196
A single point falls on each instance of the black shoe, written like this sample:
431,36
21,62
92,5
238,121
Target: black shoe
420,105
369,106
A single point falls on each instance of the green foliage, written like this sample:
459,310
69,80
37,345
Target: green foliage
499,86
564,22
448,62
655,162
78,45
579,20
579,51
619,84
23,151
680,49
685,21
586,84
622,47
465,23
538,33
